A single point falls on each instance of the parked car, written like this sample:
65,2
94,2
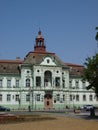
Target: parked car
88,107
2,108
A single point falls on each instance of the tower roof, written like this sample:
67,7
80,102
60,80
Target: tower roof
39,34
39,46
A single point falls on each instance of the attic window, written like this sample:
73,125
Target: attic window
4,68
48,60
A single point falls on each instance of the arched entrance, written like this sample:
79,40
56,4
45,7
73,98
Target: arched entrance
48,103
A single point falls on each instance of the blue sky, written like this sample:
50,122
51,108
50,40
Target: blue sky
68,27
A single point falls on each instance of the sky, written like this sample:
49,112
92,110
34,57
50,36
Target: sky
68,27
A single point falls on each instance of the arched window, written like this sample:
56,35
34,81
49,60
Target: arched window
27,82
47,78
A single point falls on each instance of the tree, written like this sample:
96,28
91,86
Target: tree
91,70
91,73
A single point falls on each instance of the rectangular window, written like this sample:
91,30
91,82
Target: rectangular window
28,97
84,97
83,85
71,97
38,97
27,82
77,84
57,81
70,84
47,103
9,83
96,98
38,81
63,97
0,83
17,83
90,98
63,81
58,97
16,97
8,97
77,97
0,97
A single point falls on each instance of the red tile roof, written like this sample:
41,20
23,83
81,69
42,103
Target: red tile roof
10,66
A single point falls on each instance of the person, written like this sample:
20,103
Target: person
92,112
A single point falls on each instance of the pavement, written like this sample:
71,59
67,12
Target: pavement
68,113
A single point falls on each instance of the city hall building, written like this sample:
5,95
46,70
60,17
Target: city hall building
42,81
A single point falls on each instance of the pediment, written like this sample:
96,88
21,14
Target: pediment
48,61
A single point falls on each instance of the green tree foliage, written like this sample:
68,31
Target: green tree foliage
91,73
91,70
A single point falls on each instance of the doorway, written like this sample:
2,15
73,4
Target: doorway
48,102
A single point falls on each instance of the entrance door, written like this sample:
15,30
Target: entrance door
48,104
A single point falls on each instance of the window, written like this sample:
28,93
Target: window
63,83
47,103
38,81
28,71
38,97
28,97
38,71
77,97
96,98
58,97
70,84
57,71
8,97
63,97
57,81
90,98
0,97
27,82
17,83
71,97
0,83
84,97
77,84
8,83
48,60
16,97
83,84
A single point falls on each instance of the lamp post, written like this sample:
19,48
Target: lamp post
19,103
19,99
35,101
73,97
